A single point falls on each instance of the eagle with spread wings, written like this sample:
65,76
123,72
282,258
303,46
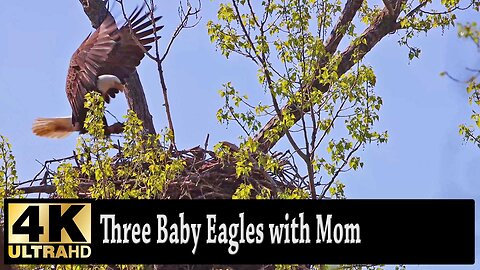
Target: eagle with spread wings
103,61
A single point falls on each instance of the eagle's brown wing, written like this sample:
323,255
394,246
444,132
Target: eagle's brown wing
127,54
108,50
85,64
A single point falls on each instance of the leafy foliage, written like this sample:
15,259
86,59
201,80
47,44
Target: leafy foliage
244,190
290,44
285,39
418,19
140,169
470,132
8,174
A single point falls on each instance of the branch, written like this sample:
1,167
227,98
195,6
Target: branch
339,170
159,60
338,32
184,17
96,12
472,137
47,189
416,9
389,6
381,26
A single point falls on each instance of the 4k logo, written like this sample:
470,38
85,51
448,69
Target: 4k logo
48,230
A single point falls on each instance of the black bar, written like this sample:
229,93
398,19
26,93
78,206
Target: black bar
391,232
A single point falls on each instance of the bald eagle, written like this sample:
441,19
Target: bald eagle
102,63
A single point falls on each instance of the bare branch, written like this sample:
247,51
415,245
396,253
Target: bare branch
184,17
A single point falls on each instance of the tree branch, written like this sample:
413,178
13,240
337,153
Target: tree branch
389,6
159,60
381,26
338,32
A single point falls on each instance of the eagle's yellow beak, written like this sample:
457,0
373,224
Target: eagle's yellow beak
120,86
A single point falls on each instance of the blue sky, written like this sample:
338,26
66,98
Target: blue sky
424,158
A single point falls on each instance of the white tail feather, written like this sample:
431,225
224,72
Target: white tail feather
59,127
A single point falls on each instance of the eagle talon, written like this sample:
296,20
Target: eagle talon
116,128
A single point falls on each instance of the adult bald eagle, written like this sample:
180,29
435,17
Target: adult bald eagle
102,63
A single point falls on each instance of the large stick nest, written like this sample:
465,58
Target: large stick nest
205,176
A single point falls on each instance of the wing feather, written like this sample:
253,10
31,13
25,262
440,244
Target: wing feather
108,50
85,64
123,60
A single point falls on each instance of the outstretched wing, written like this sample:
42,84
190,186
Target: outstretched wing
108,50
134,40
85,64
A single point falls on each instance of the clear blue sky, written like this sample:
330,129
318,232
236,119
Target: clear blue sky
424,158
